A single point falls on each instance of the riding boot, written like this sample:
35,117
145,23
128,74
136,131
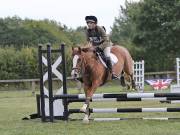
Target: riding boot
109,65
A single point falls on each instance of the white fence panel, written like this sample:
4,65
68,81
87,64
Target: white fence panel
139,74
178,70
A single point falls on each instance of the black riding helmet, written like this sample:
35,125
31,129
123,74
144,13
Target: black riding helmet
91,19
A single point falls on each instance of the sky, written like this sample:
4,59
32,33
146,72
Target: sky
68,12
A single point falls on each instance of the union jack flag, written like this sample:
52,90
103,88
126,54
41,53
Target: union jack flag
159,84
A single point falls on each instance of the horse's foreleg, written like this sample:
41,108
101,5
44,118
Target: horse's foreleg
89,93
83,108
86,104
87,112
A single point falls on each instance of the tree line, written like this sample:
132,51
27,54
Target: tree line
150,29
19,40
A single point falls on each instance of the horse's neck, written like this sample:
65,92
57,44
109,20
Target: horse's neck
89,60
93,68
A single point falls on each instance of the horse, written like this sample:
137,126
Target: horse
94,73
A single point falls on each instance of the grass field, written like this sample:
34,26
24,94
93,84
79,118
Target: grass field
14,105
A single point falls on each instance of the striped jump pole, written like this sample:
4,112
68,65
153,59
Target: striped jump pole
126,95
126,99
126,110
122,119
143,118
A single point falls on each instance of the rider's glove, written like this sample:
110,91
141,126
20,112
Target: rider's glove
95,43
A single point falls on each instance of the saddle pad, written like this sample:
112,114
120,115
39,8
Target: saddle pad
114,59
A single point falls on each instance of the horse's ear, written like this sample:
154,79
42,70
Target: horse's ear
79,50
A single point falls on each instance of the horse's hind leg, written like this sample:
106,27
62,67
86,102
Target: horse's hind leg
122,79
130,72
133,84
127,81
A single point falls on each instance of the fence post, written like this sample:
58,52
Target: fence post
43,117
33,86
177,70
64,82
51,108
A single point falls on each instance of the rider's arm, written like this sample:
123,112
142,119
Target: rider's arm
103,36
103,33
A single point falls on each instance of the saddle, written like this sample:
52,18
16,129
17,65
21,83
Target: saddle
100,54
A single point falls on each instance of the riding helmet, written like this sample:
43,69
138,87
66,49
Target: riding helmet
91,19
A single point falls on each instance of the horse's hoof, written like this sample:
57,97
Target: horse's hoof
86,119
128,87
122,81
83,109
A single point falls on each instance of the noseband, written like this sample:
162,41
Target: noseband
76,68
79,69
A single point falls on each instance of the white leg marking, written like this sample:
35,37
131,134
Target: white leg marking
84,107
86,119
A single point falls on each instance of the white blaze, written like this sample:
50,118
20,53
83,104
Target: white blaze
75,59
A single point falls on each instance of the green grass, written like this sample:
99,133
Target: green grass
14,105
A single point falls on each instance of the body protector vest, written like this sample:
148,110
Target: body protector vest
95,36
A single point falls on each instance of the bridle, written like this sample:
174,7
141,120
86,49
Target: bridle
78,70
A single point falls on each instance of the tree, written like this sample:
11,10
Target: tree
21,33
155,28
77,36
158,31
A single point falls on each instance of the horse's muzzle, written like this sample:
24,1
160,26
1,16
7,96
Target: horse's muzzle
74,74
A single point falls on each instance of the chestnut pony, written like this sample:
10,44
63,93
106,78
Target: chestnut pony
95,74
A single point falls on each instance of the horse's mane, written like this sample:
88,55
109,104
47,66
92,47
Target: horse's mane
87,49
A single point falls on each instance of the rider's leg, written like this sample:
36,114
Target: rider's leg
107,51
